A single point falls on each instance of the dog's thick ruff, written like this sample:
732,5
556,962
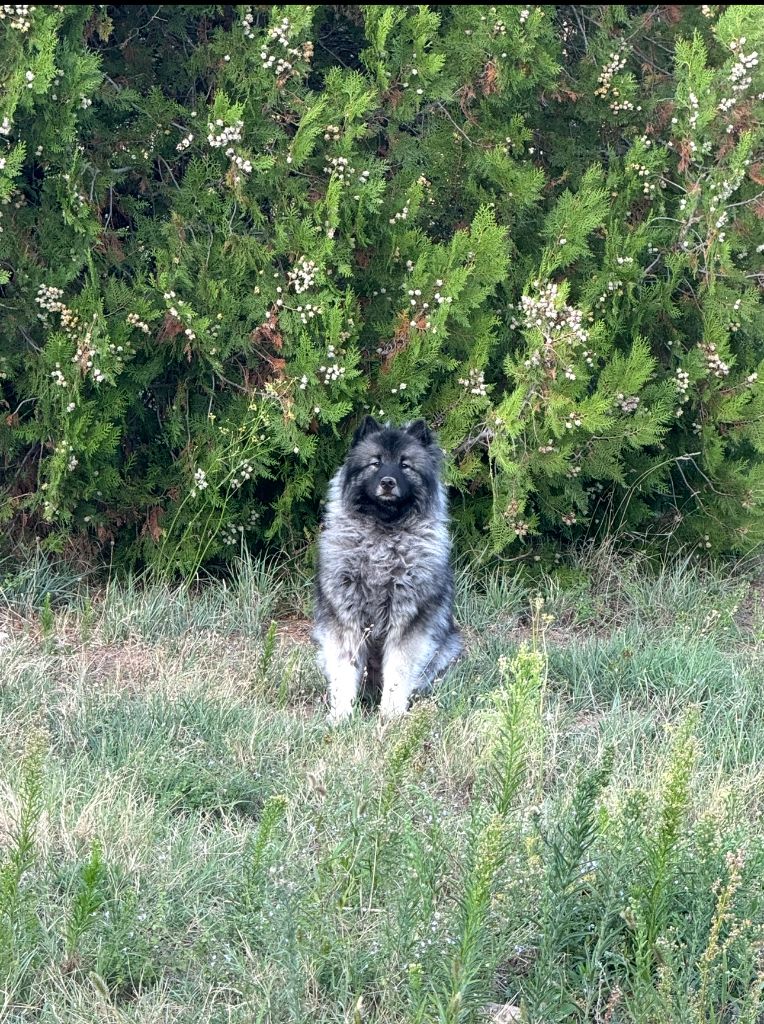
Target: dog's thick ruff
384,590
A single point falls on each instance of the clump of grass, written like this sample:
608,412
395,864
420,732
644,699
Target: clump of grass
382,843
266,655
412,733
465,990
47,618
652,895
19,928
518,729
89,897
26,586
273,813
563,926
460,993
724,932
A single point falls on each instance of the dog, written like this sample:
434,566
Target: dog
384,586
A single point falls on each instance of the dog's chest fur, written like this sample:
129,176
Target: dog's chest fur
375,574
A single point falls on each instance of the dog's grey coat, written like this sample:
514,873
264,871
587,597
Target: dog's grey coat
384,590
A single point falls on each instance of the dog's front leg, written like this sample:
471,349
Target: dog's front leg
343,664
404,671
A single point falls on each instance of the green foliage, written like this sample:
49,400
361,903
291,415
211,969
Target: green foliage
565,910
229,232
652,899
402,753
518,726
254,880
269,648
517,733
87,901
464,994
18,921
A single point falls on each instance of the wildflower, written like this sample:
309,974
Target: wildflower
279,35
716,365
223,139
474,384
630,404
19,16
303,276
135,321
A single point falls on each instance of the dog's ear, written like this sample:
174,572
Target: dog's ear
368,426
419,430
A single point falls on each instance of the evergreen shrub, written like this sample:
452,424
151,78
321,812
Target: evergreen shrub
228,232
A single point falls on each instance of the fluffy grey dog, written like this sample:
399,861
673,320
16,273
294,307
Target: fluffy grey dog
384,589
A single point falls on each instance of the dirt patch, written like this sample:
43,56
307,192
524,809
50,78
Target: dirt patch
294,631
119,663
750,613
499,1013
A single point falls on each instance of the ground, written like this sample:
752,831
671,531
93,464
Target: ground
571,825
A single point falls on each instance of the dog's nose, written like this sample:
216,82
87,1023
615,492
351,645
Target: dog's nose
387,483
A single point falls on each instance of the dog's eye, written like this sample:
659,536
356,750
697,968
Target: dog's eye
374,464
405,465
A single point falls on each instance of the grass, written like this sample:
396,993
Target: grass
572,825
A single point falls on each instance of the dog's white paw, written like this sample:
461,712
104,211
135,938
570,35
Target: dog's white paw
393,705
337,715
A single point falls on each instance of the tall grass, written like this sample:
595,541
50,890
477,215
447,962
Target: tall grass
570,827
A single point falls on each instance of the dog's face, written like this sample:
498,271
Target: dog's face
390,472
